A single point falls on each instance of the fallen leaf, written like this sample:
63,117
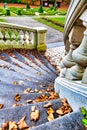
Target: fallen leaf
27,90
28,101
50,117
60,112
1,106
33,108
47,105
22,124
17,97
20,82
35,115
12,126
50,111
15,83
5,126
15,105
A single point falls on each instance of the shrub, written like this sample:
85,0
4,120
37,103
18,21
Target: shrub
19,12
41,9
28,6
8,12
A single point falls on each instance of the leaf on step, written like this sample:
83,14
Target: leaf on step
33,108
50,111
1,106
22,124
50,117
35,115
60,111
28,101
53,95
17,97
36,90
12,126
15,83
16,105
39,73
5,125
28,79
20,82
47,105
26,91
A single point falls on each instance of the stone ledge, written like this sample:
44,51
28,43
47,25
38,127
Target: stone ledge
74,91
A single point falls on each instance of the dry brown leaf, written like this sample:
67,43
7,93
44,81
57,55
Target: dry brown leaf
17,97
15,83
35,115
50,111
60,111
36,90
5,126
50,117
33,108
28,101
16,105
47,105
39,73
22,124
27,90
12,126
0,128
22,119
1,106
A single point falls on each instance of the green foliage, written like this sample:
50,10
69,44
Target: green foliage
40,10
84,113
19,12
28,6
8,12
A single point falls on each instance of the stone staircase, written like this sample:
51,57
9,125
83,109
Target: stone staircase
26,80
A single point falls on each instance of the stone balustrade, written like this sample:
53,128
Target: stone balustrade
16,36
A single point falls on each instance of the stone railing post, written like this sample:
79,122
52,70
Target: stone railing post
79,56
41,38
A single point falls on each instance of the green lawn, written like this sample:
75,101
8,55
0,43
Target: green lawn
54,22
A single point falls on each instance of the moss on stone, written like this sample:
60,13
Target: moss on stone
41,47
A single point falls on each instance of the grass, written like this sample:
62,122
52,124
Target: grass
51,23
2,20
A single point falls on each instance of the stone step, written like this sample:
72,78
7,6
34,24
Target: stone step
8,100
27,67
30,63
16,113
47,63
7,88
70,121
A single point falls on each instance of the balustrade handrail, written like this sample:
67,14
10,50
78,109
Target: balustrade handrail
17,27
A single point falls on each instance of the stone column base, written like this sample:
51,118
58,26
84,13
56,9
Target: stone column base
74,91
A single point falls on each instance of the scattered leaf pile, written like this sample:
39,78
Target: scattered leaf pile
11,125
43,97
65,109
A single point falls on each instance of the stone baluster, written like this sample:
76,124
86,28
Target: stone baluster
1,37
80,57
13,37
24,37
75,38
30,37
19,37
7,38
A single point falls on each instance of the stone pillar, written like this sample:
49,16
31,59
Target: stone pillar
41,38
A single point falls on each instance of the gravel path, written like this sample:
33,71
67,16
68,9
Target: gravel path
53,36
